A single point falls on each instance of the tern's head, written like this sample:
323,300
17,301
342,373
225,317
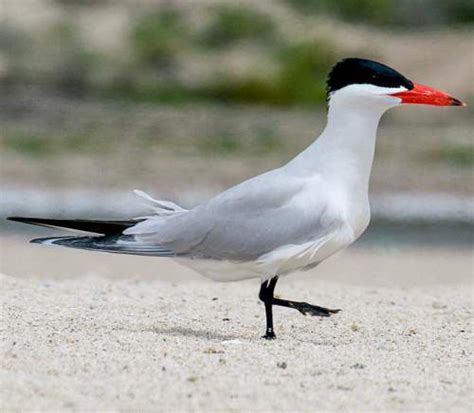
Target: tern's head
363,82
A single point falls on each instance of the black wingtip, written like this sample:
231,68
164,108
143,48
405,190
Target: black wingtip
19,219
37,241
111,227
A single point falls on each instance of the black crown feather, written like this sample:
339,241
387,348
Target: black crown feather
362,71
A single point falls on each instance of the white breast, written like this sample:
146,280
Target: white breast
358,217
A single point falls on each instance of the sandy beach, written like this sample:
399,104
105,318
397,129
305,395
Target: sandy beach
84,332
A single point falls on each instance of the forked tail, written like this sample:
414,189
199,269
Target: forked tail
111,238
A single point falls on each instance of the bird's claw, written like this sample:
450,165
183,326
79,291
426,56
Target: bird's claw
269,335
314,310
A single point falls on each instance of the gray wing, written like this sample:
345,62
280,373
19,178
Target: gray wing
242,223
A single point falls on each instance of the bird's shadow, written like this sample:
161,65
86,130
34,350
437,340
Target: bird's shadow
190,332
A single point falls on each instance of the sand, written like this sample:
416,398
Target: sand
83,331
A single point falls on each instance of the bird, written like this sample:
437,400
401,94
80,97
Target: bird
286,219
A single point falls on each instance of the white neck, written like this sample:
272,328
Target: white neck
344,152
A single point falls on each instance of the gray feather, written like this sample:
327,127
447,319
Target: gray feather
240,224
113,243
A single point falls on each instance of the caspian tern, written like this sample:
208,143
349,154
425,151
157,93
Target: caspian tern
291,218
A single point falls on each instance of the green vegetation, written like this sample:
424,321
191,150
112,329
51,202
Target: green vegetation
301,78
267,142
261,142
460,11
161,46
221,144
56,59
34,144
394,13
223,53
304,69
301,71
460,156
230,24
74,63
157,37
364,11
41,143
76,3
152,90
103,131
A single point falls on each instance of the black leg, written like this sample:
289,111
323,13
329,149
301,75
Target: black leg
266,295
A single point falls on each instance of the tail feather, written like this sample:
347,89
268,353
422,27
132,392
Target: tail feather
160,207
110,243
111,238
86,225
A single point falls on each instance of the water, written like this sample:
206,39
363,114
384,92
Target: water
397,219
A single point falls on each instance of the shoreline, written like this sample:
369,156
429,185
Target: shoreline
402,206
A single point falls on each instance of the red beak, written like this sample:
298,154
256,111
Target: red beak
425,95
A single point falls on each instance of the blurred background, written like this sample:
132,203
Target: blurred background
183,98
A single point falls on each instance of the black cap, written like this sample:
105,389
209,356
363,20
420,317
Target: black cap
362,71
